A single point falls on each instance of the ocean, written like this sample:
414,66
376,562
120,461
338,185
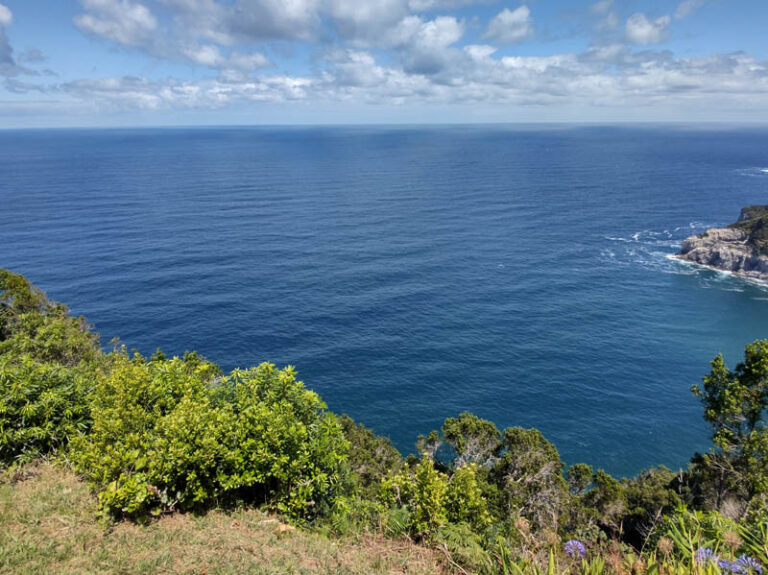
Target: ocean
411,273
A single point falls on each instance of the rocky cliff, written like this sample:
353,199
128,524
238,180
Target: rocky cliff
741,248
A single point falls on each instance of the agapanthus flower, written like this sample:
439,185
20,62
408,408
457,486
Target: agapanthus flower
749,565
705,555
575,548
729,566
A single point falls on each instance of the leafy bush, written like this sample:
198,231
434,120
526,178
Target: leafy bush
46,363
465,501
530,475
371,457
434,499
173,434
42,406
423,492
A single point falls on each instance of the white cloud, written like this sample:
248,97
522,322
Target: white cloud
425,47
211,56
352,68
364,21
480,51
424,5
438,33
124,21
6,17
614,79
6,51
259,20
508,26
687,7
382,52
642,30
602,6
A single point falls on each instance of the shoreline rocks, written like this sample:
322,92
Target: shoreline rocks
740,248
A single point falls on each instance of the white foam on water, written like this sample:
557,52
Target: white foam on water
723,276
655,250
753,172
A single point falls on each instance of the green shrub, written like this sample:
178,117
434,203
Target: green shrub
529,474
42,406
465,501
434,499
173,434
371,457
423,491
46,363
692,530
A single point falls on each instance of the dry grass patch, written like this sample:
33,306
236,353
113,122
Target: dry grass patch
48,524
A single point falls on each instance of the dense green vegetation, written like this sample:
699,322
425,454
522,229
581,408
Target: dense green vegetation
154,436
754,221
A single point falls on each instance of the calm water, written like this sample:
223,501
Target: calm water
410,274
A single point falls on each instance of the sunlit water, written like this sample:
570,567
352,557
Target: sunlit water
410,274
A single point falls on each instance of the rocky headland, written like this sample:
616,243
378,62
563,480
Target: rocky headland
740,248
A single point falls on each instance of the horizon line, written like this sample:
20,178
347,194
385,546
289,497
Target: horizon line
548,124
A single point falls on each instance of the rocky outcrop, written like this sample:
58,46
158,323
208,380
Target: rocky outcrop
741,248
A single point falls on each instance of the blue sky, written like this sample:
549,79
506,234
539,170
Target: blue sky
196,62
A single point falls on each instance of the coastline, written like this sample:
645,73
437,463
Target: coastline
758,281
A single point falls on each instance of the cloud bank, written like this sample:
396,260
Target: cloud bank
387,53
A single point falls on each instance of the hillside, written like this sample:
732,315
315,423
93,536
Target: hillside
113,462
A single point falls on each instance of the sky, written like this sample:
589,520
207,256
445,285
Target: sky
96,63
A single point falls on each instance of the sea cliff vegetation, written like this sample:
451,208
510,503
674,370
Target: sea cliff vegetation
142,440
754,221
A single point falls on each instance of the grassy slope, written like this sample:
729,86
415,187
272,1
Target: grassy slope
48,525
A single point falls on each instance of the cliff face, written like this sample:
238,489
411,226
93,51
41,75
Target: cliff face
741,248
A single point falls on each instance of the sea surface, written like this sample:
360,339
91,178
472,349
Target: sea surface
411,273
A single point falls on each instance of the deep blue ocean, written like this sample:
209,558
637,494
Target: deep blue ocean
409,274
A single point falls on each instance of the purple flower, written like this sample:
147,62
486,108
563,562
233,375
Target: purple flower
749,565
729,566
705,555
575,548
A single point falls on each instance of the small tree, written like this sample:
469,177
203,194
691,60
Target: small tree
735,404
473,439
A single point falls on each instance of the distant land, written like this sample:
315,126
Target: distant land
740,248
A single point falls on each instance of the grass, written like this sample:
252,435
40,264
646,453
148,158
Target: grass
49,524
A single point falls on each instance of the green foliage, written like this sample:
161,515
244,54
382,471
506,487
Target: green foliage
164,434
473,439
371,457
609,499
422,491
579,477
465,500
693,530
466,548
42,406
648,497
32,325
529,474
173,434
46,363
735,401
735,405
755,540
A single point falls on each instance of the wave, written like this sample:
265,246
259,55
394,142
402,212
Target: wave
669,238
753,172
655,251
